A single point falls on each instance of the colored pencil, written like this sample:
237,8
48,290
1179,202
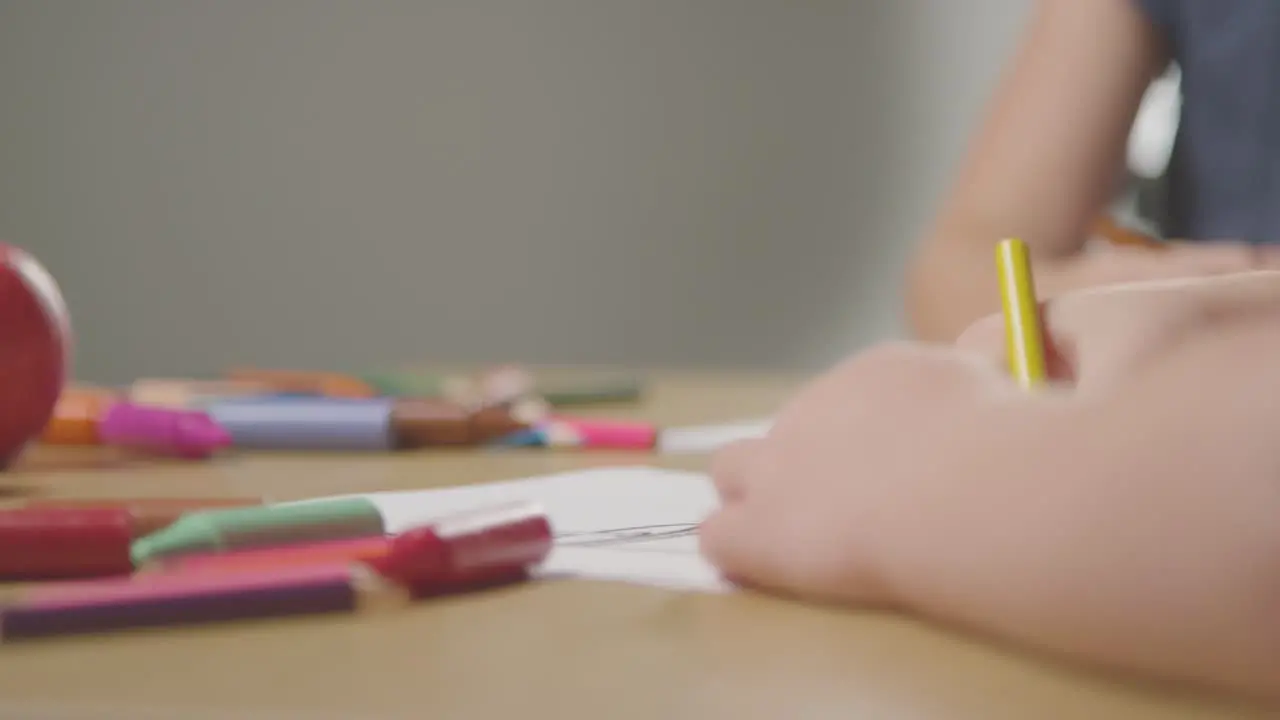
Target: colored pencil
1023,333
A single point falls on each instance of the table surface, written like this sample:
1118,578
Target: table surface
552,649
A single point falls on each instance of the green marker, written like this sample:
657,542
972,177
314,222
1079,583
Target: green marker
260,526
605,390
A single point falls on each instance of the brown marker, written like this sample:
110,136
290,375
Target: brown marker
419,423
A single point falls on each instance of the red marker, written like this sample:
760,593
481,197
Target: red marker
48,543
468,548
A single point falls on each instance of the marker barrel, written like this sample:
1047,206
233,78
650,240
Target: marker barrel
259,527
50,543
303,423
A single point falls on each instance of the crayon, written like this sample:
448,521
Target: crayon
149,513
1024,338
191,599
299,382
263,526
376,424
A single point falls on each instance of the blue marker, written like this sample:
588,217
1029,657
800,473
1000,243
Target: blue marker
307,423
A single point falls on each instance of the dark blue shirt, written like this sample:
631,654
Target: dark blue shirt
1223,179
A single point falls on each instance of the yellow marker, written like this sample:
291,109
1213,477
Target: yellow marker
1021,314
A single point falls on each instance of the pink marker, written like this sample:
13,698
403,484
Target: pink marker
600,434
185,433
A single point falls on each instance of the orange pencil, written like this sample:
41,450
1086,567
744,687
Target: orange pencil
1113,232
306,382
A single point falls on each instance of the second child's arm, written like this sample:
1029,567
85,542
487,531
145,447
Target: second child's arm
1045,162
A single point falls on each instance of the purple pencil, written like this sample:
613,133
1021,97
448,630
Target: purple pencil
182,599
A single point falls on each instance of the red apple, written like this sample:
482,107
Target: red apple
35,349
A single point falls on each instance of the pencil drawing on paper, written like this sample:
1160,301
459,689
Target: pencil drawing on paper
628,535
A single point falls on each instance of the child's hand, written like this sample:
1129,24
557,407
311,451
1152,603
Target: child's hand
862,455
921,477
855,463
1098,336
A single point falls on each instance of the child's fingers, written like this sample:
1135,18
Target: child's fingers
735,539
731,465
986,339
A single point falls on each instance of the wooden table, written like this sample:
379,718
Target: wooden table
552,650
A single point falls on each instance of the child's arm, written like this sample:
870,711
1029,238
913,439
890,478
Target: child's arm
1136,529
1155,546
1045,162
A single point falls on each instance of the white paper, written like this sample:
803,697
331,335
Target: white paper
623,524
696,439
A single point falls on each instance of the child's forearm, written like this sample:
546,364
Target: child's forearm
950,285
1141,533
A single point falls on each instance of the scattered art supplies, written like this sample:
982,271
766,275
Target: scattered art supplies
458,551
307,411
623,524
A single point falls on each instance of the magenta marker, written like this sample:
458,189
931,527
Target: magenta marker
600,434
185,433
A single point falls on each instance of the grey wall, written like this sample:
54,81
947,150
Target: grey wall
339,183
